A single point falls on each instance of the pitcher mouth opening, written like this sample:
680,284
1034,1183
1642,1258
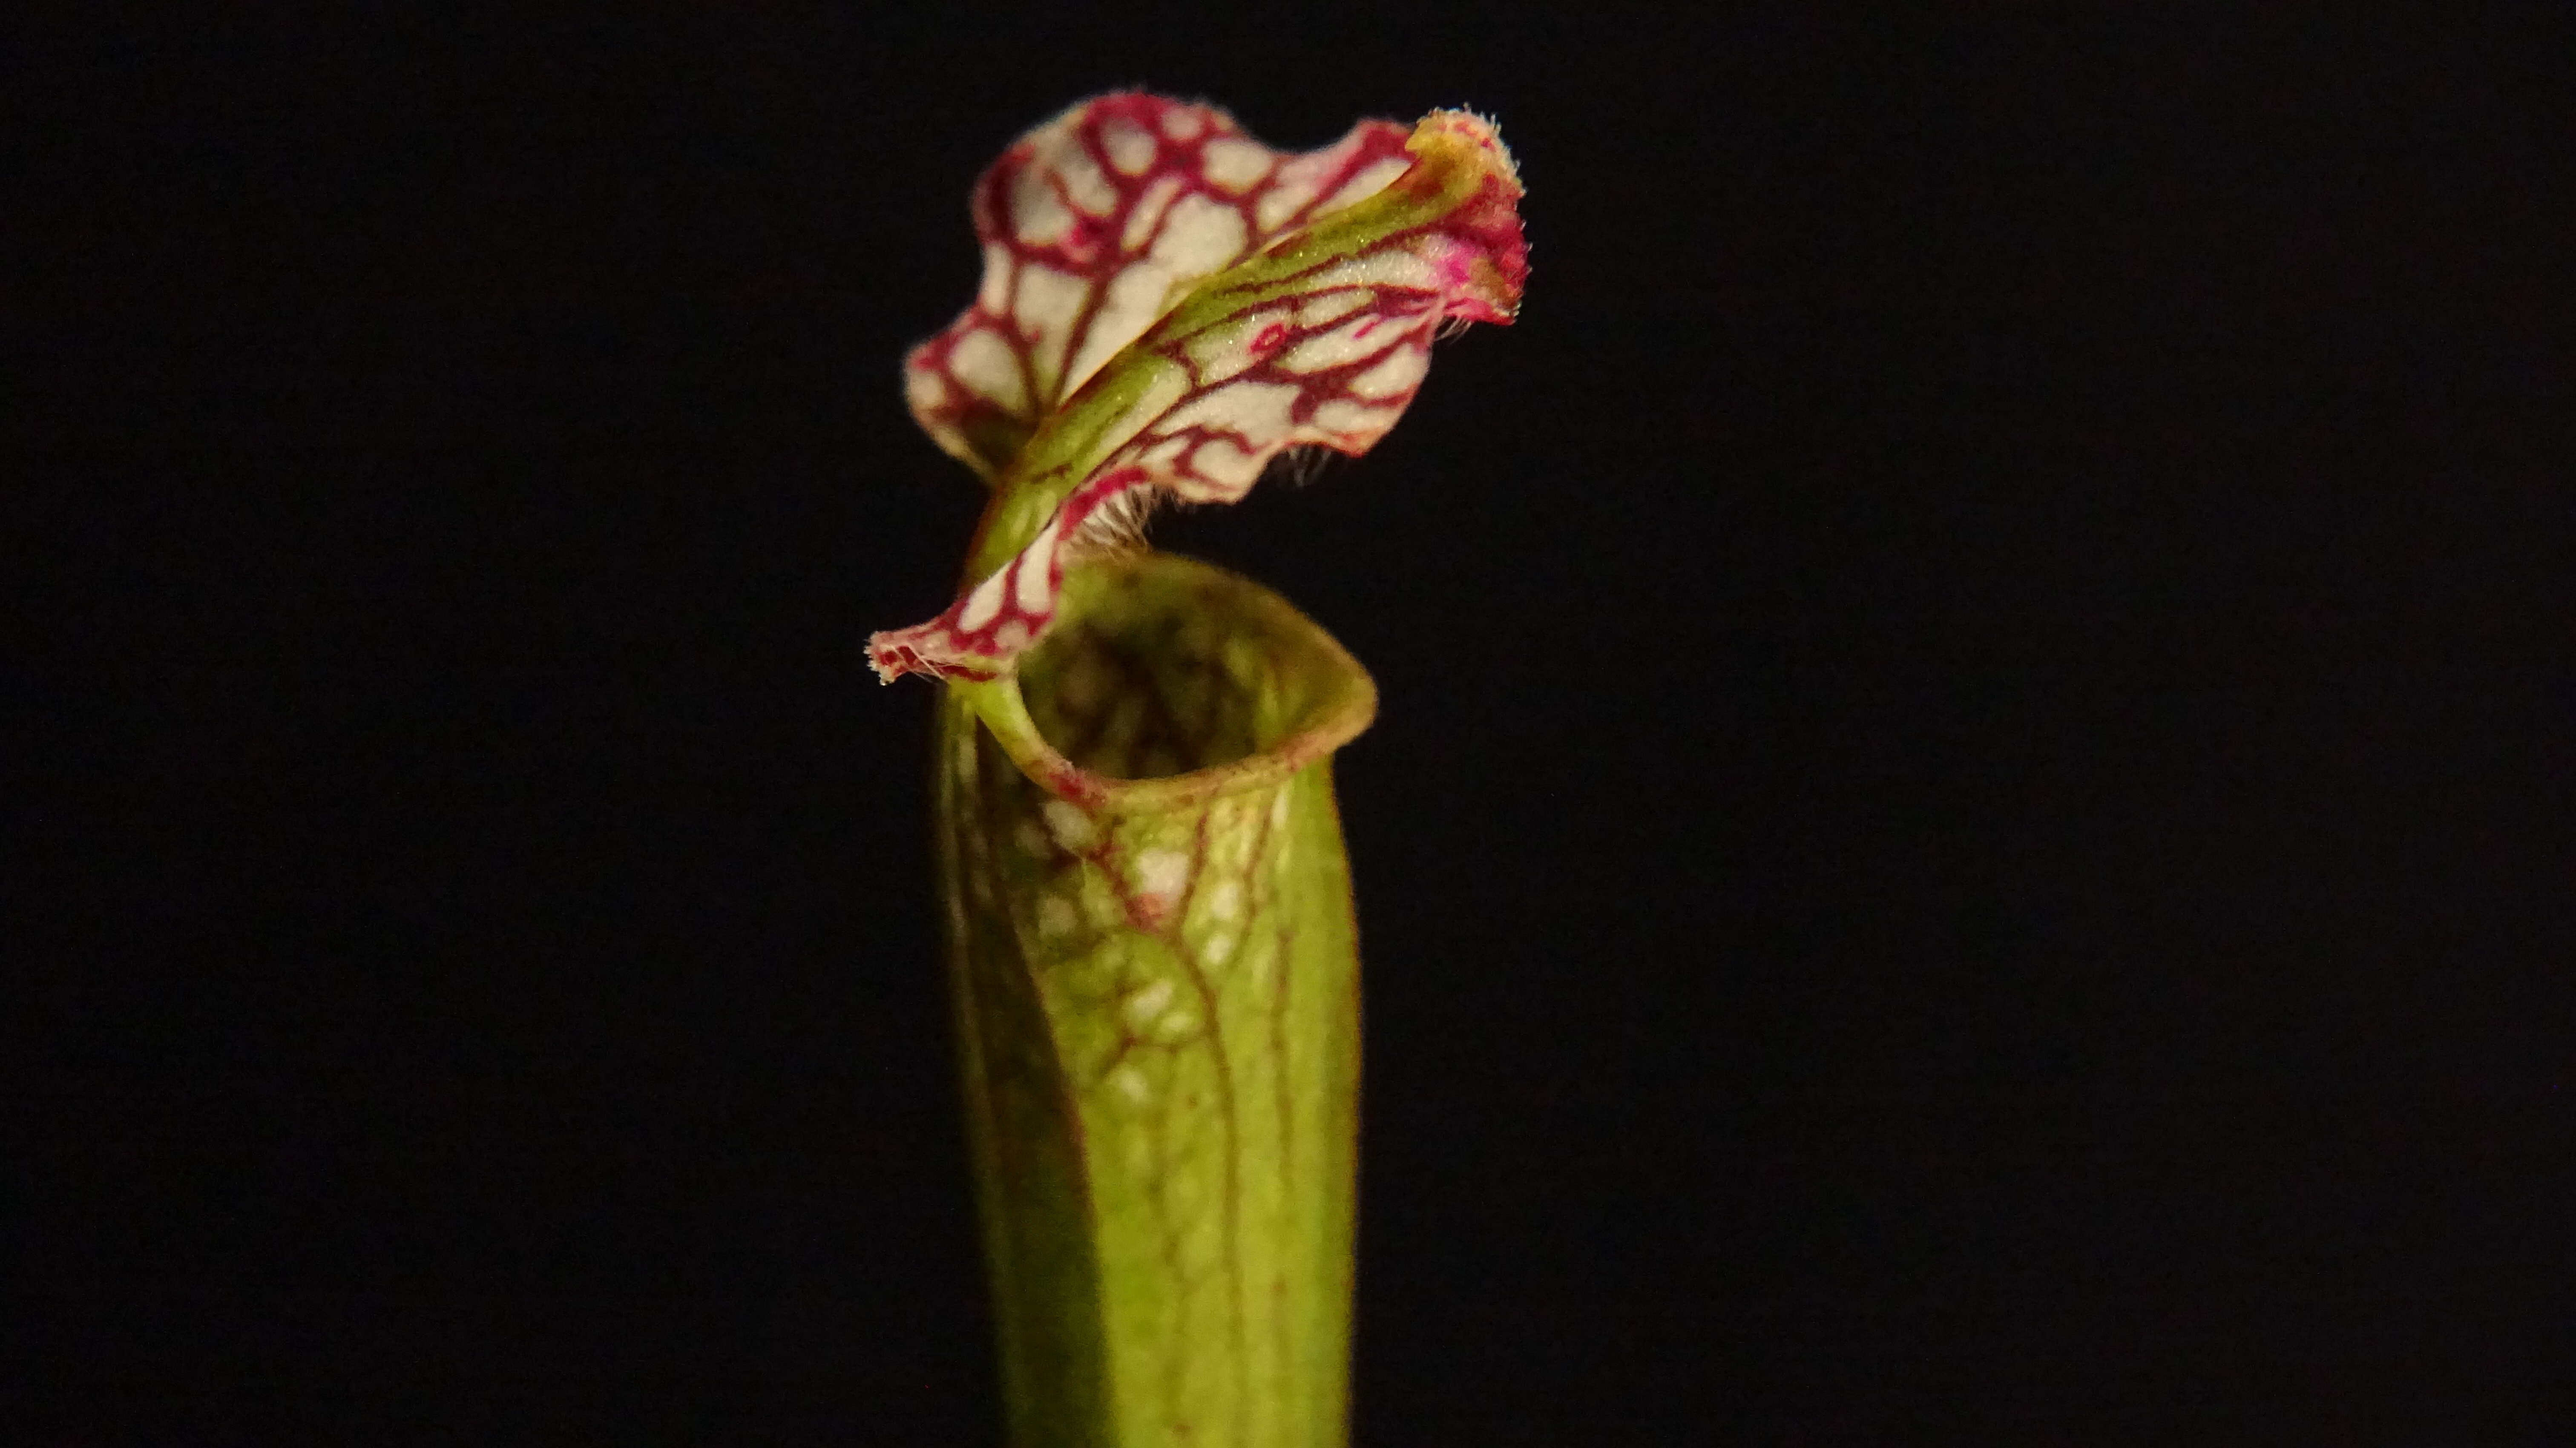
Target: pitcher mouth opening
1167,682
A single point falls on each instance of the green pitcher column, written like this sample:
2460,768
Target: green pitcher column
1148,907
1157,989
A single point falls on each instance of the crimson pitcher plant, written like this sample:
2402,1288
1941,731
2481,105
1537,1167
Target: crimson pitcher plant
1148,910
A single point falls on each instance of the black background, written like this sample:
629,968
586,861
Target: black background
1967,835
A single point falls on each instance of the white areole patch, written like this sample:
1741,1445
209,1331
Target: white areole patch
985,364
1045,304
1181,124
995,293
983,604
1162,872
1344,416
1225,900
1220,462
1148,1003
1233,164
1389,267
1036,587
1257,410
1083,182
1134,301
1398,374
1037,217
1218,950
1158,459
1367,183
1358,338
1333,306
1131,148
1149,211
1295,185
1200,236
924,389
1071,827
1131,1083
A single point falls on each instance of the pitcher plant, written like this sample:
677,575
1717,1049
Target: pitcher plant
1151,945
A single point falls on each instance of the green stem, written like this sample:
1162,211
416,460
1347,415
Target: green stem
1156,979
